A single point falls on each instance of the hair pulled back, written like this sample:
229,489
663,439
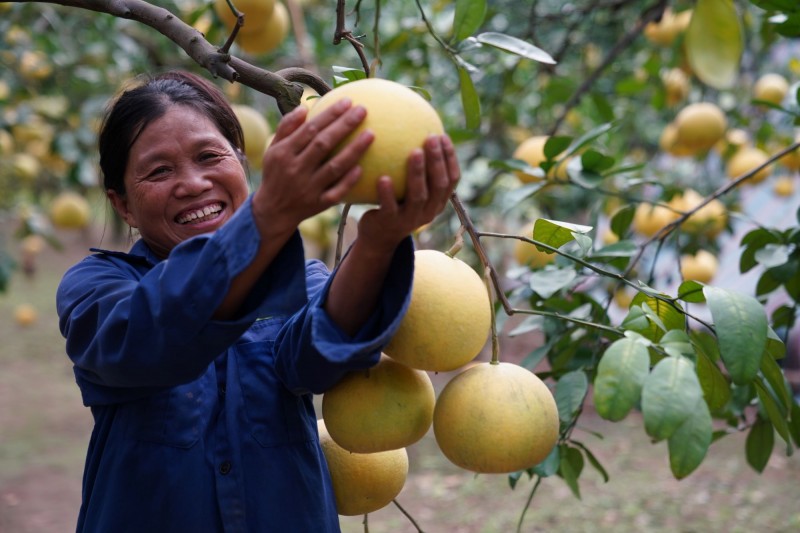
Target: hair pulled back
135,108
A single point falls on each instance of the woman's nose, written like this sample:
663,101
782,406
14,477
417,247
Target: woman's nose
192,182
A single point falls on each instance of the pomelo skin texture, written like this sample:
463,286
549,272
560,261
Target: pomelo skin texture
386,407
363,482
496,418
400,119
448,319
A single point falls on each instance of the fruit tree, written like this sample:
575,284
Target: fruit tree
629,192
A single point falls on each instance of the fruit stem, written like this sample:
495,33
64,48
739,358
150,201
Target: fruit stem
528,503
487,279
458,244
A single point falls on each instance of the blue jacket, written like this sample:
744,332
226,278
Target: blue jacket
204,425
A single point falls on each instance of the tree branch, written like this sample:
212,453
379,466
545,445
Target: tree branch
287,92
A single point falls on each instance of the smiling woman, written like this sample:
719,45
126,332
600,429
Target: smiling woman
199,350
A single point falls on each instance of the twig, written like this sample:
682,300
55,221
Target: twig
410,518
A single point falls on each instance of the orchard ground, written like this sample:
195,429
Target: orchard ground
44,431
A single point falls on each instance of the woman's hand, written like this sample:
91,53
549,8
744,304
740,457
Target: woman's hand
300,178
433,173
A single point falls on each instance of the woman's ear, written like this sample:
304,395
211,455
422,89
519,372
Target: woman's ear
120,204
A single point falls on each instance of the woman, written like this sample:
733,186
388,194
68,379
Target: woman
199,350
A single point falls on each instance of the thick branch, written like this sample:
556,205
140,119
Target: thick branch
286,92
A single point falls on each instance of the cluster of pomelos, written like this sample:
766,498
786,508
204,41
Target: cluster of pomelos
492,417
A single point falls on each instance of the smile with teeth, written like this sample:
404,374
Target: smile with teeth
199,215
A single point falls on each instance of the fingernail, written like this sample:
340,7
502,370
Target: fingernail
343,104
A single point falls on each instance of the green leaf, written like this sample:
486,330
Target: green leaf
759,444
741,326
776,415
617,249
669,396
774,376
621,219
469,99
549,466
593,160
714,43
516,46
676,342
689,444
772,255
592,460
716,389
587,138
621,374
692,292
548,281
555,233
468,18
571,467
663,316
570,393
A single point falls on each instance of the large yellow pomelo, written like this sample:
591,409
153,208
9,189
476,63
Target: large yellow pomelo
746,160
267,38
701,266
666,30
771,87
527,254
448,319
401,120
650,219
387,407
784,186
256,14
496,418
668,141
256,131
70,210
531,150
709,220
363,482
700,125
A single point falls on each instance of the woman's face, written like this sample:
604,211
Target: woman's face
183,179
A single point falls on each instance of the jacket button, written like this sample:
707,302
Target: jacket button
225,468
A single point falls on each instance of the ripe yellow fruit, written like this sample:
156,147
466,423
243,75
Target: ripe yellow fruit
256,132
792,159
701,266
747,159
676,86
771,87
527,254
649,219
531,150
387,407
449,317
70,210
700,125
25,315
317,229
669,142
783,186
363,482
401,120
270,36
25,166
496,418
665,31
256,14
733,140
623,298
709,220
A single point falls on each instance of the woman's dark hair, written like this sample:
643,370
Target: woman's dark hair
135,108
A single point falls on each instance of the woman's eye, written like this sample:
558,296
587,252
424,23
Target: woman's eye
207,156
158,172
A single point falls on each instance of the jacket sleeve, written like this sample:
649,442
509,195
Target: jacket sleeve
134,326
312,353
